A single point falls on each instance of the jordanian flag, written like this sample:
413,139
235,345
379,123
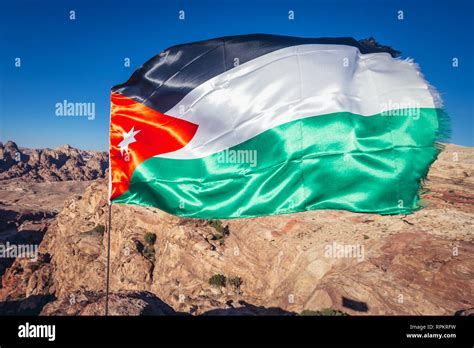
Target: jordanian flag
258,125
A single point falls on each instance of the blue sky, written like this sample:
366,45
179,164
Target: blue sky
80,60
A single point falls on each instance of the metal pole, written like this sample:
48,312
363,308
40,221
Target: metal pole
108,261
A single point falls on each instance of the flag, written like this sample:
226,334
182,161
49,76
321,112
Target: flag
256,125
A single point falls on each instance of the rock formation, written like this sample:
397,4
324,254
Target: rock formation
60,164
358,264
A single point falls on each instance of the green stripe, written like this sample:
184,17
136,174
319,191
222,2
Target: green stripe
335,161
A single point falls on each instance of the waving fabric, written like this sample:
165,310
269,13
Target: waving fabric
259,124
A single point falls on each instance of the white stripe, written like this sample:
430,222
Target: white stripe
294,83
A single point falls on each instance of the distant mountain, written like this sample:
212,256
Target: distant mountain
47,165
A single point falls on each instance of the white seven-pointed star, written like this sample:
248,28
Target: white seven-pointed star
128,138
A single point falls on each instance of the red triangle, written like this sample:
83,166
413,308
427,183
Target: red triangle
159,133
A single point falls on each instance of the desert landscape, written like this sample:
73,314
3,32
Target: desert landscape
313,263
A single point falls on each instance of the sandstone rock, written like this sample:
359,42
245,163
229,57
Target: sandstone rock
125,303
416,264
45,165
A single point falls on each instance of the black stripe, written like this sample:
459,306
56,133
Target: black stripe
165,79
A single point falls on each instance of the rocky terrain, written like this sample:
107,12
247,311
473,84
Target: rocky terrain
33,186
318,262
49,165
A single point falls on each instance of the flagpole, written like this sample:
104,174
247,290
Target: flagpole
109,229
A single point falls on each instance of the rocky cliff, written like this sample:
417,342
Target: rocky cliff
313,261
46,165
